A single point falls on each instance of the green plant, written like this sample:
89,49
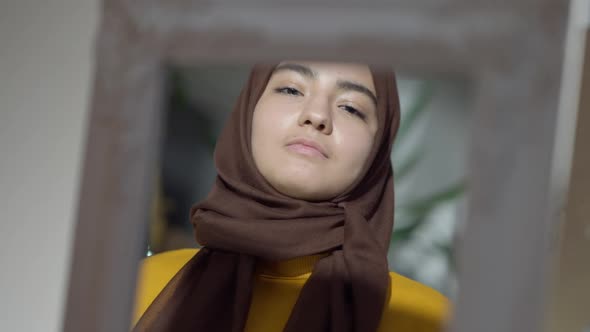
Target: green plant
410,216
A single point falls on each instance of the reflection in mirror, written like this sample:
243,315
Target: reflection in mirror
306,99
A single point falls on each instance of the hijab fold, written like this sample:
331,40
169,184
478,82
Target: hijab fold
244,220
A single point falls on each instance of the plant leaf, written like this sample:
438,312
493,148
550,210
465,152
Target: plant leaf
404,233
426,204
425,93
408,165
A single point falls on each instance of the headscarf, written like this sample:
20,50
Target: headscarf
244,220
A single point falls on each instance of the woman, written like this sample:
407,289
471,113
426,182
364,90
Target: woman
296,229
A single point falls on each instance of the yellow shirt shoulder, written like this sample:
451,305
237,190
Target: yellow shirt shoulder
411,306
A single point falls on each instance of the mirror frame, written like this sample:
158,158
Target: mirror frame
514,201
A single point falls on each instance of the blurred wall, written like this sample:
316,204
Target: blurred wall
45,71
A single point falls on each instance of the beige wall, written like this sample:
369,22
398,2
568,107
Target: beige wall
45,70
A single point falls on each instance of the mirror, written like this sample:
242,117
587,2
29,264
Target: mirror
504,101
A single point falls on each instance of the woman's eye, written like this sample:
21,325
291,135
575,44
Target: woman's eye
289,91
353,111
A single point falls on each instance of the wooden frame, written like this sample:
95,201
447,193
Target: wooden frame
570,286
512,50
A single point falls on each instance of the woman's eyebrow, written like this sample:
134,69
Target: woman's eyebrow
301,69
353,86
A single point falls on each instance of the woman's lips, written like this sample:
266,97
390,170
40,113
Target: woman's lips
306,150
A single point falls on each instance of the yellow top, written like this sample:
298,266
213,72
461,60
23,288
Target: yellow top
411,306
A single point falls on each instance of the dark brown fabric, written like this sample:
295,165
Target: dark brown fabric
244,219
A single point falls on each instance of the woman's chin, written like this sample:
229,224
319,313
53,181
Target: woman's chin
303,189
301,179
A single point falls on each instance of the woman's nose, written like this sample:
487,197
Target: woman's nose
317,113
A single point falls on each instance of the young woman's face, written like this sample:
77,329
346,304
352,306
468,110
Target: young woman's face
313,128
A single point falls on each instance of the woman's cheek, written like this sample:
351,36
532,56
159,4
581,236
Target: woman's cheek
358,144
284,119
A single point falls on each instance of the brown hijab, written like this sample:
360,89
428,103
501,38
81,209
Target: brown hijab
244,219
